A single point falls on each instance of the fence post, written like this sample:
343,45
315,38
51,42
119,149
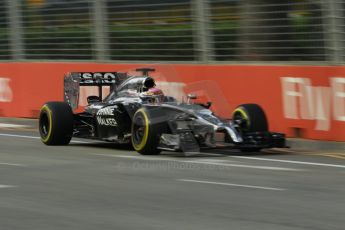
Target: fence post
101,38
16,30
202,31
332,14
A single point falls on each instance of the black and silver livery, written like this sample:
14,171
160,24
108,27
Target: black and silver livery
137,113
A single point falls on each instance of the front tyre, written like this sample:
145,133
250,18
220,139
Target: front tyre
147,127
251,118
56,123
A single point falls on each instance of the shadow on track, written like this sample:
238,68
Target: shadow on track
104,145
213,153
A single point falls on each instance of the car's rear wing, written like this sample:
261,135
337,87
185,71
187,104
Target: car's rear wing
73,81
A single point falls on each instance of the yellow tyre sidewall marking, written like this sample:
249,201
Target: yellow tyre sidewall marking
49,113
146,134
243,113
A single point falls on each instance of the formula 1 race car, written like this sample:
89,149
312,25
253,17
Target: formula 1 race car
138,113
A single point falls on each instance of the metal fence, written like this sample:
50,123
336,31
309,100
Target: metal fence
173,30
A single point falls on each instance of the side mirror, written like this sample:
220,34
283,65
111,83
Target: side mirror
191,97
93,99
208,104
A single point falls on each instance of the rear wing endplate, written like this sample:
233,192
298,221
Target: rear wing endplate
73,81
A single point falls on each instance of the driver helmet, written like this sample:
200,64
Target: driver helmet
153,95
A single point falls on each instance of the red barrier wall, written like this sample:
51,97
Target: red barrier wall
310,99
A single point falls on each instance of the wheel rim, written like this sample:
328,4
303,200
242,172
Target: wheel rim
44,125
244,119
139,129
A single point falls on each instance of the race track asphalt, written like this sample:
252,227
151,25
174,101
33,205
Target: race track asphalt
93,185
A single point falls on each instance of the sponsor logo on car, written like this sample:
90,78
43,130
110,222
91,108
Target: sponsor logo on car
108,111
106,121
89,78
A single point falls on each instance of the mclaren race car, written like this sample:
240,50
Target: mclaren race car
138,113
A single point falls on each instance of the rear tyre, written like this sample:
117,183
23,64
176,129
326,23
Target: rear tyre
56,123
253,119
147,127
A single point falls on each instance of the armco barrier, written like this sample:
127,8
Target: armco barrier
305,101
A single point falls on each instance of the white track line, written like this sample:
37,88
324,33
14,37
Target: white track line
203,162
7,125
233,185
7,186
20,136
291,162
214,160
245,166
12,164
33,137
